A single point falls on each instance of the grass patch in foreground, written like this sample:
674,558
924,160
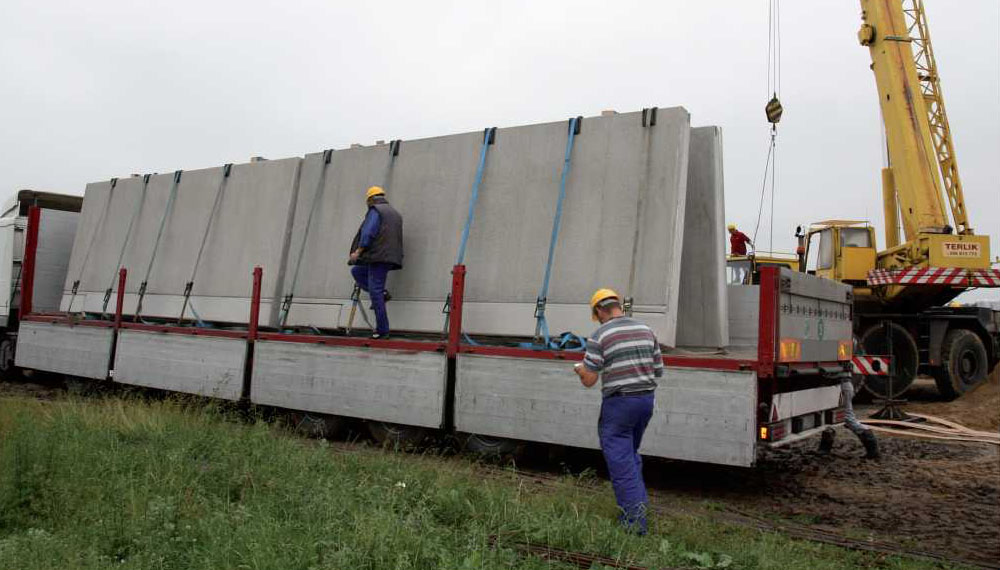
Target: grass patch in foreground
133,484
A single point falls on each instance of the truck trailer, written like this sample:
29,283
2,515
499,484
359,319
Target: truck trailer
221,282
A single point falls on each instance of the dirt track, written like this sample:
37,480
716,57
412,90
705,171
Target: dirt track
933,496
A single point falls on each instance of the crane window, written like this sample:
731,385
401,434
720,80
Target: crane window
825,250
855,237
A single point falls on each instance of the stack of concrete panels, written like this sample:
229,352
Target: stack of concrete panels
248,228
624,209
625,224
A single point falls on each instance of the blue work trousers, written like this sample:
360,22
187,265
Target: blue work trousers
371,279
623,421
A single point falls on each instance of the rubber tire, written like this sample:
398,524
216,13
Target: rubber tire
316,425
396,435
490,447
7,367
905,355
964,363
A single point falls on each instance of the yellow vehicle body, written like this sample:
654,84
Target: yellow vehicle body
920,183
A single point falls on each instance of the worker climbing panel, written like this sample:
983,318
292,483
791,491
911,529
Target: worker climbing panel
702,317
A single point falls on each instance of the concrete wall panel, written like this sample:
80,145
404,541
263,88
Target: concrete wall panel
702,318
206,366
389,386
250,228
75,350
615,161
700,415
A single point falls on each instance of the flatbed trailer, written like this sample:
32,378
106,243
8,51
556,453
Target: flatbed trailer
778,384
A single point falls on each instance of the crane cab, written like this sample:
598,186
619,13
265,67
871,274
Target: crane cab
841,250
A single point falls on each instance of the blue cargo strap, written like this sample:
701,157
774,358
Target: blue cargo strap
286,305
219,192
128,235
541,325
90,246
167,210
489,137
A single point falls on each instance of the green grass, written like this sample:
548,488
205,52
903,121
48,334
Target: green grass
134,484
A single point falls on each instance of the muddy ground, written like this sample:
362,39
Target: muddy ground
932,496
940,497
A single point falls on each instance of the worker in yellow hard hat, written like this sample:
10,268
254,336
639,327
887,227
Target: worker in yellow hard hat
738,241
625,355
376,250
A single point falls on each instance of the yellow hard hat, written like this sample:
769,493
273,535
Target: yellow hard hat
374,191
602,295
731,227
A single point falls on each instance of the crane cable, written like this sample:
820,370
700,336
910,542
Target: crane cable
773,111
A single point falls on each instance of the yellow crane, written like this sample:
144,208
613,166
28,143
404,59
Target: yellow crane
900,291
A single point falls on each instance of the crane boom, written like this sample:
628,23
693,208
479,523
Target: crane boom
915,171
930,87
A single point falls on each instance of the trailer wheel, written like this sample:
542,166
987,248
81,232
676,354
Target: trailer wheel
396,435
964,363
316,425
7,367
492,447
905,358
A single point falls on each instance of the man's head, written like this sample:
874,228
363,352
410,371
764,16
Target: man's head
605,305
374,191
732,228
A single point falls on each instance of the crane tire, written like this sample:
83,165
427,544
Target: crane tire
964,363
905,355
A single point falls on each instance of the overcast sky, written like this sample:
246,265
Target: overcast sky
92,90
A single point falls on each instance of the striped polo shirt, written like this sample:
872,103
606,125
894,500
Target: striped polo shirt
627,355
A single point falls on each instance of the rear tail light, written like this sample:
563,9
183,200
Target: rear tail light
773,432
845,350
790,350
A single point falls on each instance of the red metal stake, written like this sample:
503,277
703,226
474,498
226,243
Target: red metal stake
28,260
768,332
258,274
455,316
120,299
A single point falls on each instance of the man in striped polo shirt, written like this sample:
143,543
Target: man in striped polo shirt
625,355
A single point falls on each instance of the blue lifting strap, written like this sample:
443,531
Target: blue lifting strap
541,325
489,135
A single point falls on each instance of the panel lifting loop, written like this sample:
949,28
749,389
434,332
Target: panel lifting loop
167,210
286,303
541,325
219,192
648,121
128,235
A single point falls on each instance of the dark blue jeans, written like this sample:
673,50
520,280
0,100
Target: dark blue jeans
623,421
371,279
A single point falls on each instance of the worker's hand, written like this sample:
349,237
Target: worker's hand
578,368
354,255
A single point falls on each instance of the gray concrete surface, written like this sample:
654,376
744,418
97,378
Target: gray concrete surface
700,415
624,208
250,229
74,350
206,366
389,386
613,158
702,318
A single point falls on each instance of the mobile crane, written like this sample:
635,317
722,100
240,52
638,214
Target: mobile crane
900,292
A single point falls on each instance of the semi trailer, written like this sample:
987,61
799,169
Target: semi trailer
226,283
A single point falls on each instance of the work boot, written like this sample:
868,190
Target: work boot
867,437
826,441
